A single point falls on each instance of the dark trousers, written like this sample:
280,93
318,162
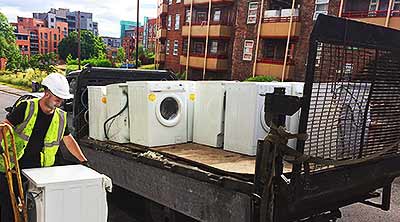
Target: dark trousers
6,212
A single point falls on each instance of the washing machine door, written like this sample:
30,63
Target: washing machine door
169,110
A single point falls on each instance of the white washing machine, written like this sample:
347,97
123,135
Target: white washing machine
97,111
293,121
158,112
117,126
190,87
209,112
245,117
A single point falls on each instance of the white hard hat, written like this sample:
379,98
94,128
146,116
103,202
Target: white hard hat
58,85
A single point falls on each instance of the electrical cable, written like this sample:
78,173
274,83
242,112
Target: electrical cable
114,116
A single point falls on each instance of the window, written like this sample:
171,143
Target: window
396,5
45,44
248,50
274,49
55,36
373,5
167,48
198,47
169,2
187,16
176,47
201,17
252,13
45,36
52,20
321,7
214,47
169,23
177,21
217,15
55,44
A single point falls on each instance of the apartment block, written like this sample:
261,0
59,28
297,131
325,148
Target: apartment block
227,39
149,33
129,41
111,41
35,37
70,17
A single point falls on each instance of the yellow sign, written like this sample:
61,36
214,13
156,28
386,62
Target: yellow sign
152,97
192,96
104,100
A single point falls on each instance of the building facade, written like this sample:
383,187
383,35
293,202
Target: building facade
149,33
129,42
35,37
126,25
65,15
111,41
227,39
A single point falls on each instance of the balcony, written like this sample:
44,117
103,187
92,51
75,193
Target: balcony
197,2
197,61
162,9
279,27
161,33
375,17
216,30
268,67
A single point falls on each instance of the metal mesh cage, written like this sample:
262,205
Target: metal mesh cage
352,92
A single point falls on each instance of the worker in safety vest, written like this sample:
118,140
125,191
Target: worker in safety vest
39,127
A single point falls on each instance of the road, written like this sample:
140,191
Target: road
124,206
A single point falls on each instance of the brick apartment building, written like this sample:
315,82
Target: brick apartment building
227,39
129,41
149,34
35,37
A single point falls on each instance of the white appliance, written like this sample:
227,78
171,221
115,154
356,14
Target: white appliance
190,88
244,118
272,13
288,12
97,111
158,112
293,121
117,127
209,112
68,193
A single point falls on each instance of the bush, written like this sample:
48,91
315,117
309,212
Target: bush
97,62
71,68
23,79
261,79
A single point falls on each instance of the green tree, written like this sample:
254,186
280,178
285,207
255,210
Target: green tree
91,46
8,47
121,56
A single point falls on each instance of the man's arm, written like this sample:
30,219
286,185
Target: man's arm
74,148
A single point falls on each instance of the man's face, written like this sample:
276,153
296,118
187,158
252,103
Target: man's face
52,101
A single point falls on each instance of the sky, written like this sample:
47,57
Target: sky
106,13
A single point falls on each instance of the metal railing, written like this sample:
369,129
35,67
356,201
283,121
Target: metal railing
280,19
367,14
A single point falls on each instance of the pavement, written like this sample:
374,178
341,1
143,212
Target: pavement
11,90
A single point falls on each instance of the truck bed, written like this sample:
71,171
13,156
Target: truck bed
199,181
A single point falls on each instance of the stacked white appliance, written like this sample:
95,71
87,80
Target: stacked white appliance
117,127
190,88
97,106
158,113
245,120
67,193
209,112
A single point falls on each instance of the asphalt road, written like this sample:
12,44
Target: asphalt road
122,204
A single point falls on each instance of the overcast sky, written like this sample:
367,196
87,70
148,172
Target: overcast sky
106,13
